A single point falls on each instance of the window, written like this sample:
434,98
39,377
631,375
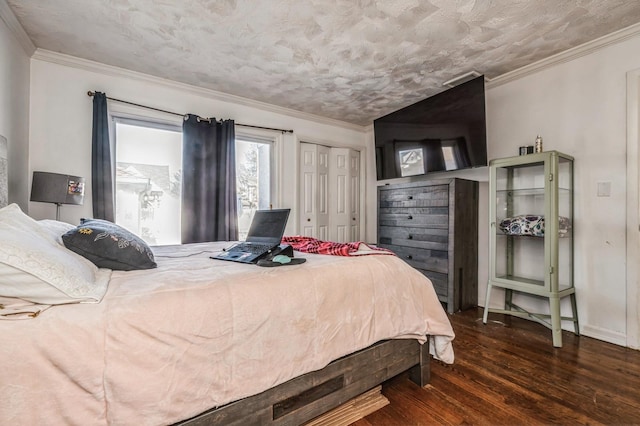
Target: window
148,184
254,181
148,178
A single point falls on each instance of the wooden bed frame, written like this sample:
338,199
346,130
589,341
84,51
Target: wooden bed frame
308,396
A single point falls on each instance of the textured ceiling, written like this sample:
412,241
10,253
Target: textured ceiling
351,60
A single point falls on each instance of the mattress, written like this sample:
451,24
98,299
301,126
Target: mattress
195,333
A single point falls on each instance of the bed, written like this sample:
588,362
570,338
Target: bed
202,341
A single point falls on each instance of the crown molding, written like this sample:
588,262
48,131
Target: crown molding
9,18
97,67
567,55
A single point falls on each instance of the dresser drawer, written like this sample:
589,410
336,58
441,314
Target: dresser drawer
428,260
424,238
432,196
435,217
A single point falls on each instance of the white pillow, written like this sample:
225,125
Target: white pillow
16,283
56,229
35,267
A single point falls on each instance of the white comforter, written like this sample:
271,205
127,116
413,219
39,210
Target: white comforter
195,333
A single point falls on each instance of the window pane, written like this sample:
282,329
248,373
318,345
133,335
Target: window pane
148,181
450,162
253,181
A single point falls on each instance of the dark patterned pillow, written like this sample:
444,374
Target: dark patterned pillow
109,245
532,225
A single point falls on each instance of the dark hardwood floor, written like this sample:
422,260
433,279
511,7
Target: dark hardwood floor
507,372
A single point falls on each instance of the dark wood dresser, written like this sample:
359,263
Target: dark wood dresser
433,226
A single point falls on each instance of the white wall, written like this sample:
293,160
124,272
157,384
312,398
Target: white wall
579,108
14,107
61,120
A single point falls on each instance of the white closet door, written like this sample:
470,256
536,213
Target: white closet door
314,203
339,195
330,193
354,181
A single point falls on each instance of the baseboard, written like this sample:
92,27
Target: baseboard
604,335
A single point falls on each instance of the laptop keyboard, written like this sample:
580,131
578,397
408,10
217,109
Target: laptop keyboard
255,248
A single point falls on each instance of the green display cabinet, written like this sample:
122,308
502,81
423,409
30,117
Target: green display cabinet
531,236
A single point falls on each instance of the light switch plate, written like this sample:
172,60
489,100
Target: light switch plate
604,189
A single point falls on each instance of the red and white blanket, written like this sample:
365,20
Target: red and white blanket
313,245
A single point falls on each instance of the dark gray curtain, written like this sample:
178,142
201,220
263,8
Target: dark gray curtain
209,203
101,170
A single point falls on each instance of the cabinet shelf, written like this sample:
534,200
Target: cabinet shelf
532,285
532,253
524,280
567,235
528,192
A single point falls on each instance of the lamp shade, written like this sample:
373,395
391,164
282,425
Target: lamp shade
57,188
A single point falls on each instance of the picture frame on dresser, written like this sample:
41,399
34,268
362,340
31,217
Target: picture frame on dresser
433,226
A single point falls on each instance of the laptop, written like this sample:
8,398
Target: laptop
265,235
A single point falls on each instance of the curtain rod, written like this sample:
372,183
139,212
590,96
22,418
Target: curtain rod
90,94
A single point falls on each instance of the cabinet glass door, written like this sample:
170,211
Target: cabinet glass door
531,236
533,202
565,223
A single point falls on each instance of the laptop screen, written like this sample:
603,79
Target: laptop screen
268,226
